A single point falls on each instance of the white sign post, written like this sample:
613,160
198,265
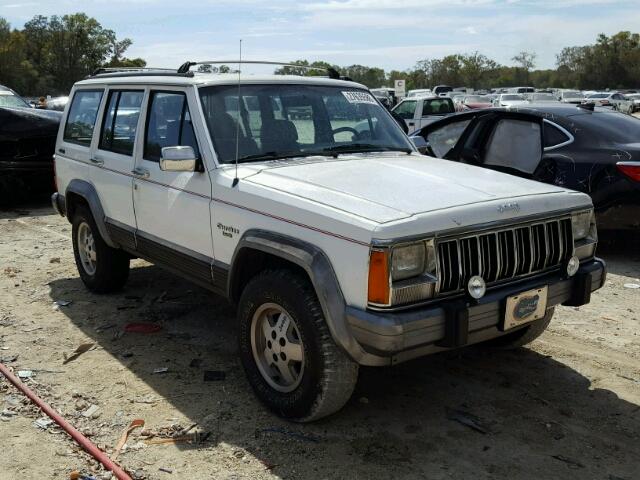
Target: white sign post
400,88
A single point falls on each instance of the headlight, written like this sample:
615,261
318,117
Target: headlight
581,223
403,274
407,261
585,234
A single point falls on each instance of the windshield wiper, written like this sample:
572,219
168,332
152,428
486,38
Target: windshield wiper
366,147
275,156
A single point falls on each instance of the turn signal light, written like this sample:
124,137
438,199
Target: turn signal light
379,290
630,169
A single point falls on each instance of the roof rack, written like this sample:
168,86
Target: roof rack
138,71
331,72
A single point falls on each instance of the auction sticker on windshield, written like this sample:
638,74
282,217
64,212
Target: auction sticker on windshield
359,97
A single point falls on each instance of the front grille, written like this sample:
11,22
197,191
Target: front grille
503,254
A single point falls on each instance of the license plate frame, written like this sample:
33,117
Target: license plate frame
525,307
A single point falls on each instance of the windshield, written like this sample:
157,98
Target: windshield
512,97
598,95
287,120
477,99
406,109
572,95
8,99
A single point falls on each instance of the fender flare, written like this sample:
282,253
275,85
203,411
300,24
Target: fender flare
88,192
323,278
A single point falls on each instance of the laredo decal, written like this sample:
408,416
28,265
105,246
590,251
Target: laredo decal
227,230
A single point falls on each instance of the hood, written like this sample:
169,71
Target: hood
28,122
389,187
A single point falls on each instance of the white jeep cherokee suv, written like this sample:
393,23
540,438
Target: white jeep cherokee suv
339,243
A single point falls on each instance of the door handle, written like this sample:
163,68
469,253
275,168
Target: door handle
97,161
140,172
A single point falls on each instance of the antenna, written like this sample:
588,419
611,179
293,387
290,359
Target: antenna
235,179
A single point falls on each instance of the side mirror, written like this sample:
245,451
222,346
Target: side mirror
178,159
421,144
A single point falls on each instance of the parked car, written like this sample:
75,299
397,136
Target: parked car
27,141
472,102
615,100
541,97
509,100
593,151
570,96
438,90
419,92
340,248
420,111
635,98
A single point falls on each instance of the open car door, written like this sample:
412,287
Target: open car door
445,138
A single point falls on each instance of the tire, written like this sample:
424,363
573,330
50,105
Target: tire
304,390
522,337
108,268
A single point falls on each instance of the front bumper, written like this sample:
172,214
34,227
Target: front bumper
452,323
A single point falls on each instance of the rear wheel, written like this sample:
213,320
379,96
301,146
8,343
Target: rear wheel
289,357
524,336
103,269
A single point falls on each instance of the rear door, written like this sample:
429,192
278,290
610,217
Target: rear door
113,158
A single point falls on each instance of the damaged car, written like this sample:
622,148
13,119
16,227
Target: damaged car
27,142
590,149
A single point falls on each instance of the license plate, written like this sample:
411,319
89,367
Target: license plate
525,307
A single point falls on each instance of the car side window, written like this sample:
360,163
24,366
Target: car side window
445,138
553,136
82,115
516,144
120,121
168,124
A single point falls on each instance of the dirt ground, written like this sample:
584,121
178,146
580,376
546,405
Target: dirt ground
567,407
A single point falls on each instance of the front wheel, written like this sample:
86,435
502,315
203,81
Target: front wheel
288,354
103,269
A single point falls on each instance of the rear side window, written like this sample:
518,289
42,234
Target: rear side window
82,117
120,121
168,124
553,136
436,107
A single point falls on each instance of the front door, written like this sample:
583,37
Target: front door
172,208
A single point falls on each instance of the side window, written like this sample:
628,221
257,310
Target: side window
120,121
82,117
168,124
406,109
435,107
553,136
445,138
516,144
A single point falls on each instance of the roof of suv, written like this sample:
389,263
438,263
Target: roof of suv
205,79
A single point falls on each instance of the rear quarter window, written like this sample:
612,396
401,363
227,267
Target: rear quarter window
81,119
553,136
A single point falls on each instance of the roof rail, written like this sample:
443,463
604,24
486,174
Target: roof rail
136,71
331,72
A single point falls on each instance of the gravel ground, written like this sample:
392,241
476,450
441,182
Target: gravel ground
567,407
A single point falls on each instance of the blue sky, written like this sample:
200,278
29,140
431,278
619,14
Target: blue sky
387,33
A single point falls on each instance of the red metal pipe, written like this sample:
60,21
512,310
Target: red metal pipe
83,441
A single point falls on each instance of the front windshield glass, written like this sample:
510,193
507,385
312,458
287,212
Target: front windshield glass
598,95
287,120
572,95
8,99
